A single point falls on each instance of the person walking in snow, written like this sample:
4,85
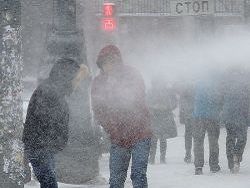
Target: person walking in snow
207,108
119,106
186,109
46,127
162,101
235,115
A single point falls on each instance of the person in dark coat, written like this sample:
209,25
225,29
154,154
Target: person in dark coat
186,109
235,115
119,106
207,109
46,127
162,101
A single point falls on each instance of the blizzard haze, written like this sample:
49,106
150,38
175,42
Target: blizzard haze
182,59
174,50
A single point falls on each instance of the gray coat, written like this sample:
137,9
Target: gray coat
162,102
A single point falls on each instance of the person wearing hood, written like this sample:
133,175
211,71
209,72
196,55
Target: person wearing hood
235,115
46,127
119,106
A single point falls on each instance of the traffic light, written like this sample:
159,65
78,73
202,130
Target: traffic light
10,13
108,20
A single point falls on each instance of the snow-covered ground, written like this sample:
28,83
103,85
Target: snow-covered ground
177,174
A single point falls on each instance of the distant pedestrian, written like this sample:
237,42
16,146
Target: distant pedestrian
236,115
186,109
207,108
162,101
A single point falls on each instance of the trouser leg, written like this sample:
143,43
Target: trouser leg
163,148
188,138
140,153
43,164
199,135
241,135
118,164
213,129
230,144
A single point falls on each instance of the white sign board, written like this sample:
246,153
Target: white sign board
191,7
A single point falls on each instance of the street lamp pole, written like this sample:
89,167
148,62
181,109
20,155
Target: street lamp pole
78,162
11,154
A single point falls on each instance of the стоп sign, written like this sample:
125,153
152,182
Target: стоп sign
191,7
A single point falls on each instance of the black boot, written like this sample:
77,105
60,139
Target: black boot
236,168
198,171
215,169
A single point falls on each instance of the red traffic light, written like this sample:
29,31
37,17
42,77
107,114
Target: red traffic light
108,20
108,9
108,24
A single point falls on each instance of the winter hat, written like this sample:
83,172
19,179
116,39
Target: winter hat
107,52
64,70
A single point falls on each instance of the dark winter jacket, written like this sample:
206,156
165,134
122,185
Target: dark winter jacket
236,98
46,125
118,102
162,101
